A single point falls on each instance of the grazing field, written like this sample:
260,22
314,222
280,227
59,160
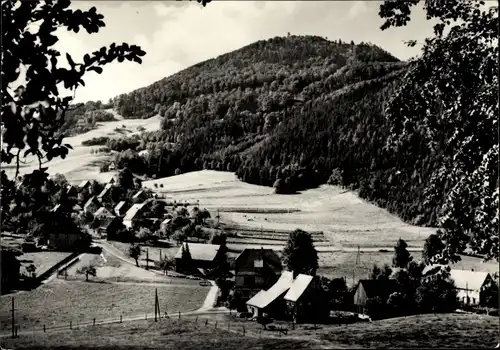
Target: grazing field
60,301
345,219
166,334
80,164
153,252
43,261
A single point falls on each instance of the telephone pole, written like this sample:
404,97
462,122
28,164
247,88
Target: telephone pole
156,304
147,258
358,257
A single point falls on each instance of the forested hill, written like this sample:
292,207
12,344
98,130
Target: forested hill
291,112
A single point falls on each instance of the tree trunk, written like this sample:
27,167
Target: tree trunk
137,262
86,277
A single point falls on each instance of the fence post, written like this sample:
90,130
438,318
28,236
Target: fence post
70,325
215,324
94,321
179,315
44,328
196,319
229,326
146,315
120,318
206,321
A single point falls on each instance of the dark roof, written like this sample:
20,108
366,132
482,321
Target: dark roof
374,288
106,222
247,258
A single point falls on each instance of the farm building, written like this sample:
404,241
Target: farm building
111,181
10,269
121,208
373,288
132,215
105,193
102,212
91,206
203,256
271,301
305,300
165,223
256,269
470,284
108,226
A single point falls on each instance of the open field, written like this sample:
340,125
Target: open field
345,219
166,334
59,302
80,164
424,331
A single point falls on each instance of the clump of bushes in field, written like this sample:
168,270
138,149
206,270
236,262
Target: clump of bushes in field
96,141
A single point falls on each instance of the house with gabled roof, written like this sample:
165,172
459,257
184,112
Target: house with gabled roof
71,191
102,212
92,205
306,300
256,269
140,196
131,216
105,193
108,227
203,256
85,184
121,208
367,289
271,301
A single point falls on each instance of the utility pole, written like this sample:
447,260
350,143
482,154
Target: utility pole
358,258
353,277
147,258
156,304
13,322
218,217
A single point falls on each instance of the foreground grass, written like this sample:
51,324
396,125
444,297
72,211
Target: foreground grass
43,261
166,334
59,302
423,331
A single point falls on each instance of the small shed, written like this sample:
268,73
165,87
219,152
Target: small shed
367,289
203,255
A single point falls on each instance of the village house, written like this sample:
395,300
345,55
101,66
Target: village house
85,185
71,191
102,213
56,209
132,215
203,256
111,181
271,302
367,289
91,206
165,224
305,300
470,284
105,193
108,227
121,208
256,269
62,241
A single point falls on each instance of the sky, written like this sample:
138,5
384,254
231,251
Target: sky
178,34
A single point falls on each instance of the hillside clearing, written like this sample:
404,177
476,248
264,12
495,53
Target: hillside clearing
345,219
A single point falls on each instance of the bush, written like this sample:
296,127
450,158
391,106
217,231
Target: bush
376,308
96,141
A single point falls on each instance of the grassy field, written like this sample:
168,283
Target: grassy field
345,219
424,331
80,164
59,302
166,334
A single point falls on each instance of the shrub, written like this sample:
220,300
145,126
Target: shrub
375,307
96,141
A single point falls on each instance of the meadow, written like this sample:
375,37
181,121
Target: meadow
61,301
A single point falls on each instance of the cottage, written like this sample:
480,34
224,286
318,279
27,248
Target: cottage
108,227
105,193
271,301
165,224
102,213
85,185
121,208
256,269
111,181
470,284
305,299
132,215
373,288
203,256
91,206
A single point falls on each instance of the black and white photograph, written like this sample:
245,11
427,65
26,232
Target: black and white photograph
231,174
